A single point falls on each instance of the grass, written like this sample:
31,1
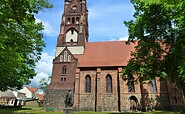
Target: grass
38,110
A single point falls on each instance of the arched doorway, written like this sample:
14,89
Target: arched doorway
134,104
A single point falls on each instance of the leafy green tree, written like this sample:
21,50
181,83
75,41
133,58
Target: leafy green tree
159,30
21,41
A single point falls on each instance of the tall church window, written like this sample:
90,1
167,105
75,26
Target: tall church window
61,58
108,83
88,84
65,56
130,84
153,86
64,70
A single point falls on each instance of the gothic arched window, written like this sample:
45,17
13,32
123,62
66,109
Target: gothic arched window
108,83
64,70
130,84
153,86
69,58
88,84
61,58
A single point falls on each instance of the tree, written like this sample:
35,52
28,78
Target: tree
159,30
44,82
21,41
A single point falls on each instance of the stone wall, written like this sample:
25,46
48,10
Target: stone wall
32,103
110,102
54,99
87,102
125,100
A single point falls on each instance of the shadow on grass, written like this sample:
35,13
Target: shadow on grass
13,110
153,112
25,110
126,113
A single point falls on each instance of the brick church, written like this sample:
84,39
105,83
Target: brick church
93,71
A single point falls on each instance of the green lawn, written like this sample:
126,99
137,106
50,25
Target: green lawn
37,110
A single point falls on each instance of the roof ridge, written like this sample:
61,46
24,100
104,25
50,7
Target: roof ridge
107,41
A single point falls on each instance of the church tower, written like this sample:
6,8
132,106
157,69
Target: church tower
71,43
74,27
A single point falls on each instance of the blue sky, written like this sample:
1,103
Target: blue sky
105,19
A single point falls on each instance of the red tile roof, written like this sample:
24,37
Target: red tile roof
105,54
32,89
40,96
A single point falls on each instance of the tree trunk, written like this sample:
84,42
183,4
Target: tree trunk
143,109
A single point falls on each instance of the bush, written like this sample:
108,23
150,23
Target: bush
183,111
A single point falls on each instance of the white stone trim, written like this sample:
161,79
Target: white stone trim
73,50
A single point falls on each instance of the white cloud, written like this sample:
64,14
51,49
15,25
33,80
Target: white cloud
120,39
123,38
48,28
45,64
36,79
43,69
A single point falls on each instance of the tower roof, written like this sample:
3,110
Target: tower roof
105,54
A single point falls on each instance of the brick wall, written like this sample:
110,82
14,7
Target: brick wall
59,80
109,100
104,101
118,100
60,83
